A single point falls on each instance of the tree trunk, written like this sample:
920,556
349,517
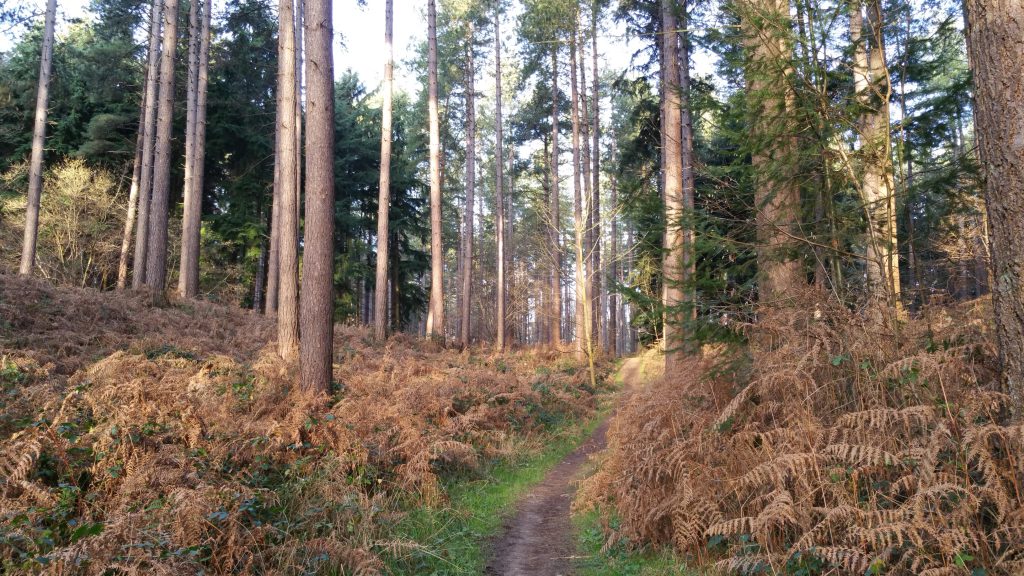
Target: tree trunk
259,284
499,184
994,32
188,269
318,264
156,249
143,140
687,157
273,256
435,313
199,165
467,231
613,260
288,268
597,273
380,326
35,171
554,230
299,4
148,135
673,265
873,88
776,196
589,238
583,348
133,202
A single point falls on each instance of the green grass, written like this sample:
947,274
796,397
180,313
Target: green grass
453,540
619,560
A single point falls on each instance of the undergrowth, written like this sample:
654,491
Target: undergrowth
600,557
454,536
173,441
831,446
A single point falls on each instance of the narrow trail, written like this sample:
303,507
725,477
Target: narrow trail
538,539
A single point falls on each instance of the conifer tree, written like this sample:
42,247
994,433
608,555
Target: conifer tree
35,176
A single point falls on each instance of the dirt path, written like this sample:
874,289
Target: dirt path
538,539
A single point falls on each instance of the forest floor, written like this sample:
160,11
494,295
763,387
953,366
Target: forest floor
539,538
172,440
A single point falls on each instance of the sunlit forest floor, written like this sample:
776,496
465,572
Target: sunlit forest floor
172,441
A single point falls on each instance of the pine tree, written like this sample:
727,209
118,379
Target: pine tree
288,268
156,244
188,272
994,32
142,172
673,264
318,265
35,176
499,184
380,320
435,312
466,292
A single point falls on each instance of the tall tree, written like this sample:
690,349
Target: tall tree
188,270
766,29
288,266
199,164
597,284
380,309
467,226
877,186
994,32
142,172
555,201
579,219
689,263
672,266
149,110
499,169
435,312
156,249
318,267
35,171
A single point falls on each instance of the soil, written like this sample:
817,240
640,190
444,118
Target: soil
538,540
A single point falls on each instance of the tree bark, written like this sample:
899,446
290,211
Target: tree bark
288,269
554,230
148,134
995,41
380,325
299,4
687,157
156,249
589,238
582,299
467,231
188,269
597,274
273,255
199,166
613,260
673,264
318,265
499,192
435,313
776,197
35,171
873,89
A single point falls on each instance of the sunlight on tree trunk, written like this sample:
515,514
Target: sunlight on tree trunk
380,323
35,171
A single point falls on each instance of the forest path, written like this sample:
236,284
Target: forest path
538,539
